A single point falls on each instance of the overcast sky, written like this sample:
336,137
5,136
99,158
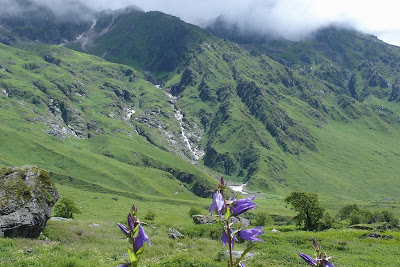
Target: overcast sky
292,19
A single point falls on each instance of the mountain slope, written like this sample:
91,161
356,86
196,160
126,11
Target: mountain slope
259,115
75,115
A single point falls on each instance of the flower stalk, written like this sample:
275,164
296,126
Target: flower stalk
137,238
322,259
230,208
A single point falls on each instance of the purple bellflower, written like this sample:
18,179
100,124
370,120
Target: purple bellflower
137,237
242,205
131,224
124,230
141,239
308,259
218,203
225,238
241,264
322,260
251,234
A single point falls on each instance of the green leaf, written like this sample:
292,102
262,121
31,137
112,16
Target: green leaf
227,214
243,255
218,220
132,256
135,231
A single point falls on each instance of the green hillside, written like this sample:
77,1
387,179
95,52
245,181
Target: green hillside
319,116
71,114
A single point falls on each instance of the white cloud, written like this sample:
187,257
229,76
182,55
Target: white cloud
292,19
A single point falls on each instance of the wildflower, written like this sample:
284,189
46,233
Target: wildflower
225,238
322,259
251,234
124,230
308,259
137,238
243,205
218,203
241,264
141,239
131,224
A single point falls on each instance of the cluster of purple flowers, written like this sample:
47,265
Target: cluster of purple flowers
322,260
137,238
233,207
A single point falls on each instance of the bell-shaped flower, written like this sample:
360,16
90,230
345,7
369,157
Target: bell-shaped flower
225,238
141,239
251,234
131,224
241,205
217,203
241,264
124,230
308,259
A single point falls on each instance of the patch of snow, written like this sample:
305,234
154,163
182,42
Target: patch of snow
128,113
239,188
5,92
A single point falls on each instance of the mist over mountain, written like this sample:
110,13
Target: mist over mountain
291,20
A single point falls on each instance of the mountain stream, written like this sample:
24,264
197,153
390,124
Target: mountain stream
196,151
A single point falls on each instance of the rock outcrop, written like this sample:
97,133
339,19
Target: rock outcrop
208,219
27,195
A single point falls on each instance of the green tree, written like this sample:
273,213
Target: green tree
309,209
66,208
347,211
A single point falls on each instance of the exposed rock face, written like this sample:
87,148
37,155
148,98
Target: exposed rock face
27,195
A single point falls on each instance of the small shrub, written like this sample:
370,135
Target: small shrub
150,215
212,231
263,218
66,208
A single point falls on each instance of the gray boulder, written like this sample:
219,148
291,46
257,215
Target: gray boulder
27,195
203,219
175,234
206,219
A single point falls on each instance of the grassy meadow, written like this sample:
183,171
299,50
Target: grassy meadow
79,243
